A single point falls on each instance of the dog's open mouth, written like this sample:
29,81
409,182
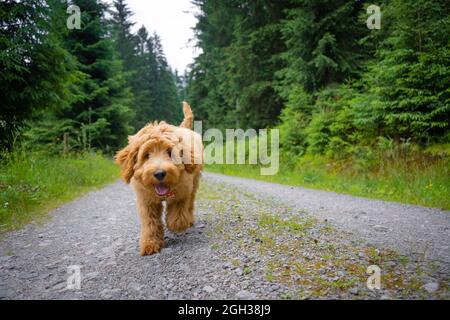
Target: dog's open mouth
161,189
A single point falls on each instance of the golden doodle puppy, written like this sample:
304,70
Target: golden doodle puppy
163,162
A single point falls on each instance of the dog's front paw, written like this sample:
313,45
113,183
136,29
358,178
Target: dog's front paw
150,247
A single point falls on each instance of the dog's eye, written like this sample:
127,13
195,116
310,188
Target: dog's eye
169,152
147,156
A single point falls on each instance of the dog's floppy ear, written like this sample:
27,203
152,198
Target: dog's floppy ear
126,158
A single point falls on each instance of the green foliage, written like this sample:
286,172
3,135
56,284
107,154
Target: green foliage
414,178
412,75
31,184
104,106
360,111
46,135
35,67
95,85
322,43
124,40
339,93
341,85
148,75
232,80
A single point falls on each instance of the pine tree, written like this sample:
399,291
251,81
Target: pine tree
180,82
410,79
211,82
166,100
35,68
148,73
322,39
144,82
103,110
233,80
123,37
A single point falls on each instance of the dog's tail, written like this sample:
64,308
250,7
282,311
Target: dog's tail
188,116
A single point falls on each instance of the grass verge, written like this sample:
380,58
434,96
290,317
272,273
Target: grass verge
413,182
32,184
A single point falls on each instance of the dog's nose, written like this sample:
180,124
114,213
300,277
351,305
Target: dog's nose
160,174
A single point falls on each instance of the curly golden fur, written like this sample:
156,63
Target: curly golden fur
163,162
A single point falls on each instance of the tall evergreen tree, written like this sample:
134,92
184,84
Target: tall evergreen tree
211,86
144,82
148,73
409,82
180,81
256,57
103,110
322,39
166,100
233,80
35,68
124,39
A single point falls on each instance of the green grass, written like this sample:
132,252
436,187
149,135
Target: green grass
413,181
31,184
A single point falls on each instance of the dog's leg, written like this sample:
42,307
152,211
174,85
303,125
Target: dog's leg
179,217
152,231
192,198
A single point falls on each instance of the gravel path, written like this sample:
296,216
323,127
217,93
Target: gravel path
243,245
412,230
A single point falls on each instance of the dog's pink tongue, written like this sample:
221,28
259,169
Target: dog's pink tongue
161,189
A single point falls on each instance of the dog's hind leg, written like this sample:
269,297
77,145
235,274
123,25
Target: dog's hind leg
192,198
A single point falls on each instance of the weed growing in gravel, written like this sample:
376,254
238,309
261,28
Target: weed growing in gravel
292,224
267,241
